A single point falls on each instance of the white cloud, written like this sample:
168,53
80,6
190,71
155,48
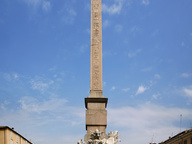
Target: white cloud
16,76
113,88
188,91
41,84
34,114
4,105
44,112
109,53
11,76
104,83
134,29
72,12
156,96
31,104
33,2
157,76
126,89
113,9
53,68
186,75
147,119
68,15
146,115
83,48
141,90
106,23
118,28
147,69
133,54
145,2
46,5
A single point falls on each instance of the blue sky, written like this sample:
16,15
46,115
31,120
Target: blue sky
45,68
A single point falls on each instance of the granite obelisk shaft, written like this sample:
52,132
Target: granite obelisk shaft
96,50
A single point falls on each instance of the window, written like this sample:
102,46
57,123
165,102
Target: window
21,140
25,142
17,137
185,141
11,134
11,141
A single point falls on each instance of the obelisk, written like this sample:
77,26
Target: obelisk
96,103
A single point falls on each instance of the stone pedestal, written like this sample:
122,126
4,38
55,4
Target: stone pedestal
96,114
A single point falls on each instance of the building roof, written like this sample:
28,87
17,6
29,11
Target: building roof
183,133
12,129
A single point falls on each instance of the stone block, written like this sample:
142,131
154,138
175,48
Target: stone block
96,117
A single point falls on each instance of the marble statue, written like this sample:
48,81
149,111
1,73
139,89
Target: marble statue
97,137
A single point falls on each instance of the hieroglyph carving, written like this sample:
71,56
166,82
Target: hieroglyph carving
99,138
96,46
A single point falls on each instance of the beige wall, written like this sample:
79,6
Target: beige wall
188,138
8,136
2,137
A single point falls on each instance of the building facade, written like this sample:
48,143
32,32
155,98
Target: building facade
184,137
10,136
